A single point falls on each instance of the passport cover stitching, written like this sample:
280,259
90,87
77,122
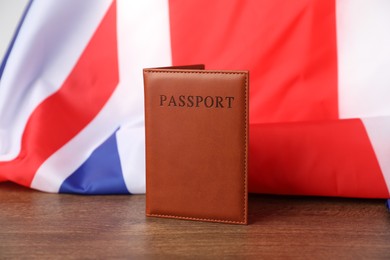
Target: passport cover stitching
167,70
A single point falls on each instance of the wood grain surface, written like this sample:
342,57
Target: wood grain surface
36,225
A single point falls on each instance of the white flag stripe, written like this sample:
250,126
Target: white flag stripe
50,42
131,147
363,33
143,41
378,129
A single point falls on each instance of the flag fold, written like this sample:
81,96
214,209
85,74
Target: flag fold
71,90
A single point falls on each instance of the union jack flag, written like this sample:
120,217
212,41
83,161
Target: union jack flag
71,90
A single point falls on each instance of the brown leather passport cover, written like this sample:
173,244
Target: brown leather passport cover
196,124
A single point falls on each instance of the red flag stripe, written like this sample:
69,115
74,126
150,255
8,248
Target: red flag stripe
288,46
333,158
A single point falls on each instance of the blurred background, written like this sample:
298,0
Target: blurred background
10,13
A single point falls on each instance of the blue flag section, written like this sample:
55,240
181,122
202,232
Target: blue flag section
101,173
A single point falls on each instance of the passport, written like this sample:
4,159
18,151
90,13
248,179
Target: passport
196,134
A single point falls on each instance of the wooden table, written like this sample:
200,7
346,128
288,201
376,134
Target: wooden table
48,226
